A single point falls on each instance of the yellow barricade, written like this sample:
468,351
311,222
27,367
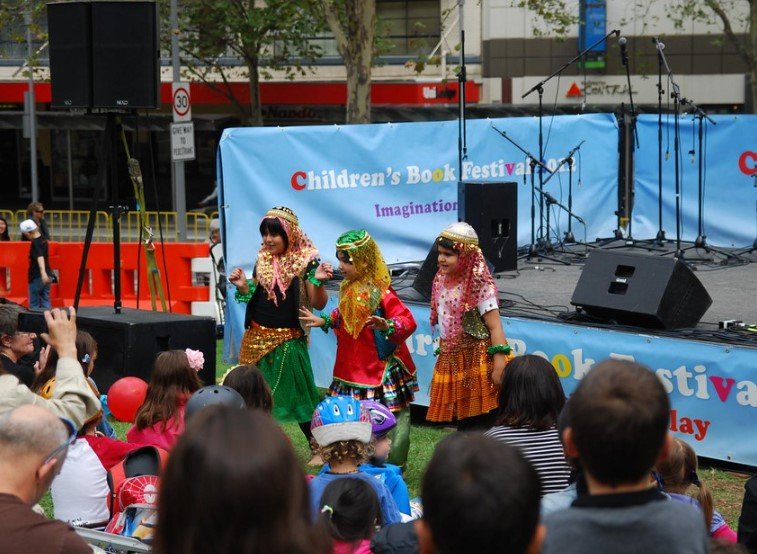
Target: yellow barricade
71,225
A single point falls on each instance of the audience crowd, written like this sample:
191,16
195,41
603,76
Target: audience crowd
207,469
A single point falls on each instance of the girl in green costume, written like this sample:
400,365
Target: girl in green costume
287,276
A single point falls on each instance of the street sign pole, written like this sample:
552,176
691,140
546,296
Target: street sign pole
179,189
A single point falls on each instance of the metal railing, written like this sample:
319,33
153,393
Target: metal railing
71,225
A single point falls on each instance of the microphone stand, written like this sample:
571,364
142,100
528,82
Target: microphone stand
539,87
462,147
535,251
660,237
569,237
701,240
676,95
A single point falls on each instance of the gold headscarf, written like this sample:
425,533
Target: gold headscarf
359,298
280,270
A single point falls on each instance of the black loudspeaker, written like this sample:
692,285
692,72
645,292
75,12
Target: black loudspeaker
125,55
68,26
104,54
492,210
127,343
646,291
425,278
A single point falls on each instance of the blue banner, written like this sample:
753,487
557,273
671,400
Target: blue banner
729,165
712,387
399,181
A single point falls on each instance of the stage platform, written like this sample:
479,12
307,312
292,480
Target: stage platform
541,288
710,373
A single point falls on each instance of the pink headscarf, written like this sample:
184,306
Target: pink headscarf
473,276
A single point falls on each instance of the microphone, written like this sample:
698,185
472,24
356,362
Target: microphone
623,52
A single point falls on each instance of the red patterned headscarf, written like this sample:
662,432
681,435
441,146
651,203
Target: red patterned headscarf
475,281
280,270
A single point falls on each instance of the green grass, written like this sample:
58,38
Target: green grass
727,487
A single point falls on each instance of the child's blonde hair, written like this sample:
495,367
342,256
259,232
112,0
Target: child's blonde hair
341,451
679,472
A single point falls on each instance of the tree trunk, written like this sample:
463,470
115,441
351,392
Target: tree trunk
358,92
354,41
256,110
747,52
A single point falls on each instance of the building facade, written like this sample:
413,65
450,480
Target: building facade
508,50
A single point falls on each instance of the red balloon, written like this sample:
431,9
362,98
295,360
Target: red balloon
125,396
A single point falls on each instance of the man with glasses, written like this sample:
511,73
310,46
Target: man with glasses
36,211
72,396
15,345
33,447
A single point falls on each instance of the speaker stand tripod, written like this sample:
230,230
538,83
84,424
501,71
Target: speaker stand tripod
749,250
701,240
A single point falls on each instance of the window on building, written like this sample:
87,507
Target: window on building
13,47
409,28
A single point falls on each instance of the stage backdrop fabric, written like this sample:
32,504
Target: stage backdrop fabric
729,166
399,181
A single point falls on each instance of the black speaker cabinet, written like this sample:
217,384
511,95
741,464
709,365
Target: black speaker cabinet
69,25
127,343
425,278
125,55
104,54
646,291
492,210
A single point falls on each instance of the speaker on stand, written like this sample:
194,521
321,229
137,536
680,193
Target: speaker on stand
104,55
69,25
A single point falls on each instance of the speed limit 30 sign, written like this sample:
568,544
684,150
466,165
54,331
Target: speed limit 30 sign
182,103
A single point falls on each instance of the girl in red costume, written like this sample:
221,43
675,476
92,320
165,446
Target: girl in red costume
371,325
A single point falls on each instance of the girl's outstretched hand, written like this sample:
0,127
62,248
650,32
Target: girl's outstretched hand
239,280
324,272
309,319
376,322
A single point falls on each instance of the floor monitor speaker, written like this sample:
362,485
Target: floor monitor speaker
425,278
645,291
127,343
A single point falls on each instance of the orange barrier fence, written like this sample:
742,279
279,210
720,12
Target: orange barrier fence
65,259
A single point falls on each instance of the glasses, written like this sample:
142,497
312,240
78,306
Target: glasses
63,447
39,211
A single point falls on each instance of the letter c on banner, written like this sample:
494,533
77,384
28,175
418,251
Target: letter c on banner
296,184
744,165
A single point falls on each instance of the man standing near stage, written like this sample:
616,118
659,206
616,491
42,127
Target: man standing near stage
40,275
